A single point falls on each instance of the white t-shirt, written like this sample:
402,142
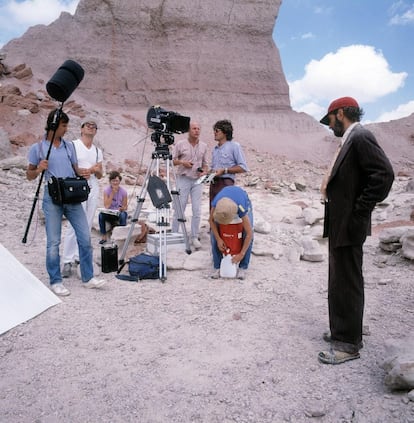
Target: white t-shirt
87,157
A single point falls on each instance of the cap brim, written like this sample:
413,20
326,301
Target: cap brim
325,120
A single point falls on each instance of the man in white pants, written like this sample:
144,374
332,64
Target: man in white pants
190,157
90,159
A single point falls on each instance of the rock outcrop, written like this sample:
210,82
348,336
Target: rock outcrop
205,59
187,54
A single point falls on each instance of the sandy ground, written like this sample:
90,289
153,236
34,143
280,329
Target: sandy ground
193,349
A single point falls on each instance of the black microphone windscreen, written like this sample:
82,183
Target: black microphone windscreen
65,80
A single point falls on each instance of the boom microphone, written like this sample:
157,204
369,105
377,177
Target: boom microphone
65,80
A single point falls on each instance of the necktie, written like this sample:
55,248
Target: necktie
328,173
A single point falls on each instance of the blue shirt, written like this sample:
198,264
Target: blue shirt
240,197
228,155
60,159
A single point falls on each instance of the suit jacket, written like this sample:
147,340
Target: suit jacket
361,177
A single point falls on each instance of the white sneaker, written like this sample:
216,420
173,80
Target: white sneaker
60,289
196,243
94,283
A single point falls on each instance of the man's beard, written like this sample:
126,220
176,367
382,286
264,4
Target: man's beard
338,128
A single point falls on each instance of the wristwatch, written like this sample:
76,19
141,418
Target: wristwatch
226,170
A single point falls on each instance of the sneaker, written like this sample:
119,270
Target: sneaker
241,273
196,243
67,270
215,274
60,289
94,283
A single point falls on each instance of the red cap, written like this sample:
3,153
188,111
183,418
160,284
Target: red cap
339,103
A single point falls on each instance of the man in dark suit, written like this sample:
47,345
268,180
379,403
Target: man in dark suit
359,177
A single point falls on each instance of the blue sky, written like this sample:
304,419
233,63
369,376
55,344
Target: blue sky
328,48
355,48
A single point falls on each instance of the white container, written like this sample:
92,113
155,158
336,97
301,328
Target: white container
227,268
174,241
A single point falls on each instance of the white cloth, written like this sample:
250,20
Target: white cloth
87,157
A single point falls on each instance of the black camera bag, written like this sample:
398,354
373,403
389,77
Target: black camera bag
68,190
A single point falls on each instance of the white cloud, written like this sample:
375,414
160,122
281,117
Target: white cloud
358,71
401,111
30,12
404,18
307,36
16,16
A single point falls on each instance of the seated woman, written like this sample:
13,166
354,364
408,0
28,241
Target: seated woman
116,201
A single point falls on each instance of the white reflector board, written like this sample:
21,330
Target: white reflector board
22,295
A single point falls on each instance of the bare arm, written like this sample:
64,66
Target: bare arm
33,171
247,228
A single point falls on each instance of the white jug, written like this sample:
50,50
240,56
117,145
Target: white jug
227,268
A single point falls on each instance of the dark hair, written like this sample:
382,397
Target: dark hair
115,174
225,126
354,114
51,117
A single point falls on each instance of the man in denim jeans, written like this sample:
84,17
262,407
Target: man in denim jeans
230,204
61,163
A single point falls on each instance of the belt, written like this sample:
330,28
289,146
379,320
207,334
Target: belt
221,177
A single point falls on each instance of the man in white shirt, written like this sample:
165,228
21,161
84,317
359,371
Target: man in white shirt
90,159
190,157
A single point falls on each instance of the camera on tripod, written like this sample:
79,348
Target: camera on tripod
166,123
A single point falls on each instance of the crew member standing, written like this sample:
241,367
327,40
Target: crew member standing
190,157
61,163
227,158
90,167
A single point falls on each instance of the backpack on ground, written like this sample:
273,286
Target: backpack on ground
142,266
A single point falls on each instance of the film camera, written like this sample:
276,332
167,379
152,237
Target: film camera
166,123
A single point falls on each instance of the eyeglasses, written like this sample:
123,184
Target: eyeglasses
91,125
217,130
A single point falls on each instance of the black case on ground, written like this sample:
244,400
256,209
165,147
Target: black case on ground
109,258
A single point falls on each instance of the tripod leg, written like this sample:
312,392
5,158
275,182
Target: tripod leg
162,234
135,216
180,214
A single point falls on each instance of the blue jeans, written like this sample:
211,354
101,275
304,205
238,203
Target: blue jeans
53,221
120,220
217,255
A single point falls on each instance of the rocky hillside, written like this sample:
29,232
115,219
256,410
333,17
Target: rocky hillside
208,60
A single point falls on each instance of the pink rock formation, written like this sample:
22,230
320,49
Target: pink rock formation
184,54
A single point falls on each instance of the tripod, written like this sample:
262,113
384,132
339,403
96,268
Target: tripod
161,199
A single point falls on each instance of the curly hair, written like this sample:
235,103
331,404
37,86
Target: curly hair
226,127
